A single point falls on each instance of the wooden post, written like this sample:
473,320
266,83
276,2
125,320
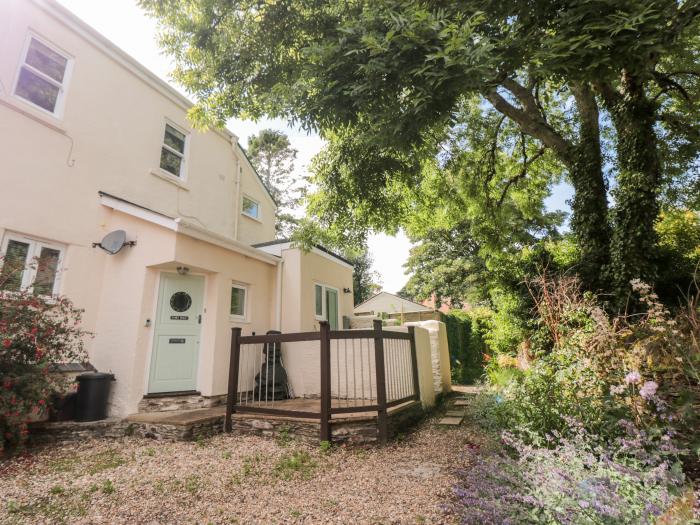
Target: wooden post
325,381
381,382
233,376
414,361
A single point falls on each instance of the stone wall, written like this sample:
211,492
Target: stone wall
168,403
45,432
347,430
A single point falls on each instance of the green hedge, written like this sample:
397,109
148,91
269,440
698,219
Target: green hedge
465,340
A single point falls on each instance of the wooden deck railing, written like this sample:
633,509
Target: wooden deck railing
356,371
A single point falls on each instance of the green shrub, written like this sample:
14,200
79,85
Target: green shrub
467,347
601,371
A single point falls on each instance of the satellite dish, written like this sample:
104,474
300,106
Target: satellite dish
113,242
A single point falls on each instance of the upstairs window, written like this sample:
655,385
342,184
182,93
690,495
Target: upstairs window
238,299
172,153
28,264
251,208
42,76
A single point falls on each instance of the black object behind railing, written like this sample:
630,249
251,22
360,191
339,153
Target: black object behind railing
359,371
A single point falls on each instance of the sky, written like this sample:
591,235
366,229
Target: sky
125,24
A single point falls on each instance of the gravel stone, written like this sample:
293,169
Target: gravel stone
241,479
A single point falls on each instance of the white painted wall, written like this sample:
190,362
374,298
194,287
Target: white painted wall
439,354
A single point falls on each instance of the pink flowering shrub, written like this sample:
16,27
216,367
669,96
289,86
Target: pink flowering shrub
36,332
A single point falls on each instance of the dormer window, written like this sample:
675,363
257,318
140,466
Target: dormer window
42,76
251,208
172,153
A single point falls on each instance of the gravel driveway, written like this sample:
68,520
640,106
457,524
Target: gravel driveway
236,479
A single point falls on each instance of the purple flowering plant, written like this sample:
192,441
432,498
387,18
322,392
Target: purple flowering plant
571,480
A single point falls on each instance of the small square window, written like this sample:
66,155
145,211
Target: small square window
251,208
172,152
42,76
238,301
31,265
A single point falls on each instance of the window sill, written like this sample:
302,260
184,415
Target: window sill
251,217
26,109
172,179
238,320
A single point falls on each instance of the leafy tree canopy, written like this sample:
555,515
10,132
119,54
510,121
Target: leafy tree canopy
273,157
603,93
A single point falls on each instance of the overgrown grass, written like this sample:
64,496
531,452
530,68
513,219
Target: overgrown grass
298,464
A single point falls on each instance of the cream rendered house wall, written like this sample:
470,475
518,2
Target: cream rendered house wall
123,338
108,139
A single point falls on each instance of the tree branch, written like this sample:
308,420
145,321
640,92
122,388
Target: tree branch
524,96
532,124
523,171
684,16
666,83
610,95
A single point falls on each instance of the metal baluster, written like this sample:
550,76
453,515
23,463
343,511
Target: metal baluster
387,371
347,388
369,366
403,368
354,373
362,371
238,394
274,369
260,372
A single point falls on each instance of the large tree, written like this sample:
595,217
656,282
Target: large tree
273,157
381,80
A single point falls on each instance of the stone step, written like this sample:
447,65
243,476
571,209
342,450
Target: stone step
451,421
455,413
461,402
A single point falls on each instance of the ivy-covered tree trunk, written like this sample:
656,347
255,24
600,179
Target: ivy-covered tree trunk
634,242
589,221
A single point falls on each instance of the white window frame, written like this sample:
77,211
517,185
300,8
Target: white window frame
182,177
246,290
324,304
35,246
62,86
257,202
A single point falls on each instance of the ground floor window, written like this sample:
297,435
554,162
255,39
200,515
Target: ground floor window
326,304
239,295
29,264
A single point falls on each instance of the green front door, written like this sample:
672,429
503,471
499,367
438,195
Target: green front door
176,335
332,307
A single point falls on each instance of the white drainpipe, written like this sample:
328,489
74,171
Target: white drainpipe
278,313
